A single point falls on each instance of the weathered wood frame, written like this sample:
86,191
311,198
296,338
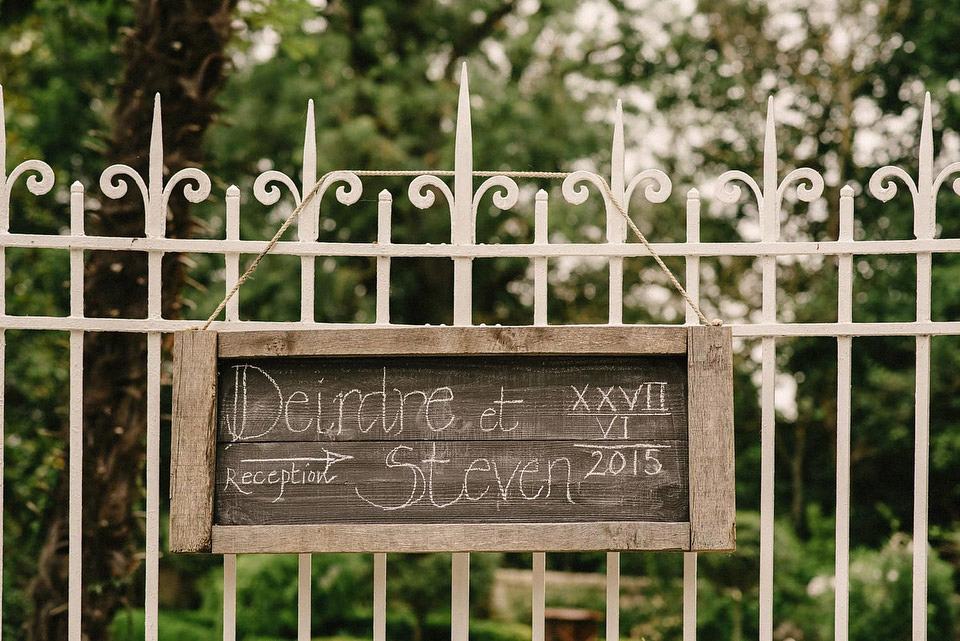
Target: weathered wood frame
710,431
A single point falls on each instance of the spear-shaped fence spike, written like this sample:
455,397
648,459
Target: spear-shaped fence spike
463,227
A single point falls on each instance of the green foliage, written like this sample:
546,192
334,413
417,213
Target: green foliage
421,583
173,626
383,75
881,593
267,592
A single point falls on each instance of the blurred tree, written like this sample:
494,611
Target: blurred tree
177,49
383,75
847,80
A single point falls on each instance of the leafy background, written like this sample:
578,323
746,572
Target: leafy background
847,77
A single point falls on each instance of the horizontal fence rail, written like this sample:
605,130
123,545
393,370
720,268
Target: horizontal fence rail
456,191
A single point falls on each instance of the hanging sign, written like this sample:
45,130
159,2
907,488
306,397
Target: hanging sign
453,439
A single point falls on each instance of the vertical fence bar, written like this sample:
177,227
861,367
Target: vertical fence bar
232,259
844,360
769,231
462,225
379,596
693,289
232,263
229,597
307,231
540,237
768,365
613,596
539,596
304,593
692,263
920,478
155,227
460,597
925,203
616,234
153,484
616,226
462,232
384,209
384,222
75,528
307,223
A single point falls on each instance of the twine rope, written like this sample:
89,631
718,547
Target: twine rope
511,174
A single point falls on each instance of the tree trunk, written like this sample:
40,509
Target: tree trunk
176,48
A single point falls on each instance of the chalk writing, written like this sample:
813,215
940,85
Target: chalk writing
288,472
390,440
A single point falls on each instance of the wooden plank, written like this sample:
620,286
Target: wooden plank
193,441
502,397
514,537
381,482
401,341
503,443
712,489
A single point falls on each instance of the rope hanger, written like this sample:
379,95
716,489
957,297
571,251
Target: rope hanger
511,174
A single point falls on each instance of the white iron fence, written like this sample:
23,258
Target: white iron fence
463,199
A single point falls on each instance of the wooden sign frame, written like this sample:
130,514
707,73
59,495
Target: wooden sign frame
711,523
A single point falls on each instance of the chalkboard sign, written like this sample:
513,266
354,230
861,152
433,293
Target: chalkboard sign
453,439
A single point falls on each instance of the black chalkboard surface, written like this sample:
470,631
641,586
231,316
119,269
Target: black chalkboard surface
436,439
423,439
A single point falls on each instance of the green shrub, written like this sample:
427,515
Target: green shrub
129,625
267,592
881,593
438,629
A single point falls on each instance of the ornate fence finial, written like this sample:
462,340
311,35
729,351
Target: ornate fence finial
266,191
770,198
925,189
464,229
154,194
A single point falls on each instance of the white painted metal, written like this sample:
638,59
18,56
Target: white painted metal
613,595
769,198
538,596
757,330
540,238
229,597
379,597
307,231
232,315
152,562
539,570
524,250
769,230
384,212
75,534
616,225
692,285
616,235
463,201
924,191
925,227
460,597
303,597
844,382
75,527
